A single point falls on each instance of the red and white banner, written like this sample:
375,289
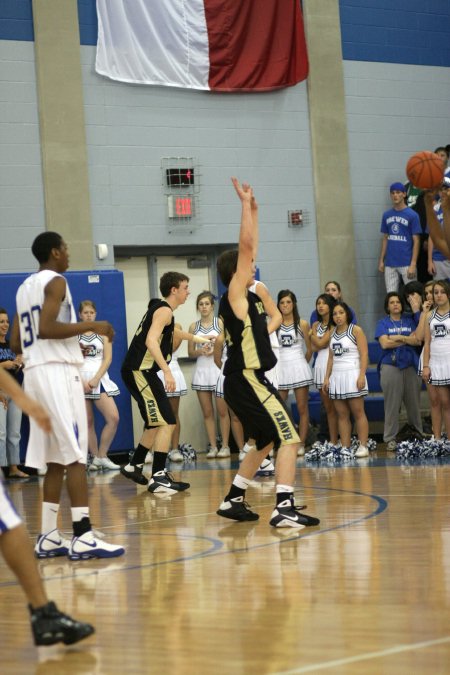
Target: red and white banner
222,45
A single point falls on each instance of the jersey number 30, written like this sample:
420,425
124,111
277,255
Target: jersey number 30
29,326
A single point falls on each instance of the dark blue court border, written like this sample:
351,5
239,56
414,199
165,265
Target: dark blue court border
216,547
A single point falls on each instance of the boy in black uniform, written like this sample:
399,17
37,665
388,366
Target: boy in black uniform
248,393
151,351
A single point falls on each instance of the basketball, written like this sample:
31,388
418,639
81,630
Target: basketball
425,170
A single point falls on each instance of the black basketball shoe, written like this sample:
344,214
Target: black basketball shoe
236,509
163,482
136,475
50,626
286,514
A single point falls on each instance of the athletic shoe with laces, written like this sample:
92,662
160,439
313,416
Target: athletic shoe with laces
95,465
108,465
286,514
212,453
51,545
89,546
266,468
175,455
224,452
362,451
236,509
136,475
50,626
163,481
242,454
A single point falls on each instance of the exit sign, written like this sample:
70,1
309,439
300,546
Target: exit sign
180,206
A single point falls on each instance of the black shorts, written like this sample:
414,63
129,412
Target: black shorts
258,406
147,389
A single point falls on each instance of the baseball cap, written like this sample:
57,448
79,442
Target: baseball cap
397,186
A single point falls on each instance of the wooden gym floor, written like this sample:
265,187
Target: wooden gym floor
368,591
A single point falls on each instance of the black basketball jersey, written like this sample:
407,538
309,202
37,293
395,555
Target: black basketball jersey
138,357
248,342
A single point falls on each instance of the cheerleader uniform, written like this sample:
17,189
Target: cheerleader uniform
320,366
206,372
440,349
180,382
92,347
293,369
346,366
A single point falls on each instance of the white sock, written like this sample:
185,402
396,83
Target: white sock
79,512
285,488
131,467
241,482
49,517
248,447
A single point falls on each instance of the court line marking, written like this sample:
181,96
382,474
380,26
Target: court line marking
364,657
217,544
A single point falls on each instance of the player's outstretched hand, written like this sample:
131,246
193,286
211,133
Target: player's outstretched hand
104,328
244,191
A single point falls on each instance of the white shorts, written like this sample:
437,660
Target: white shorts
9,518
58,387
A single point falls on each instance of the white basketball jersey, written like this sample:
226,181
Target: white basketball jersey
29,300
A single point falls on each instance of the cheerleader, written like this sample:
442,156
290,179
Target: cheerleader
174,396
206,373
345,377
333,288
294,371
436,353
320,340
98,388
421,312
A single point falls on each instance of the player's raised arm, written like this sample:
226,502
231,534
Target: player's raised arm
248,243
434,228
445,205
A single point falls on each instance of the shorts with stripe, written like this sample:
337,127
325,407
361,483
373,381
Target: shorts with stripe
9,518
58,386
260,409
148,391
393,275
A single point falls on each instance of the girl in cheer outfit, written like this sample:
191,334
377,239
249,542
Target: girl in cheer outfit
206,373
295,351
436,354
345,378
320,339
421,309
98,389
